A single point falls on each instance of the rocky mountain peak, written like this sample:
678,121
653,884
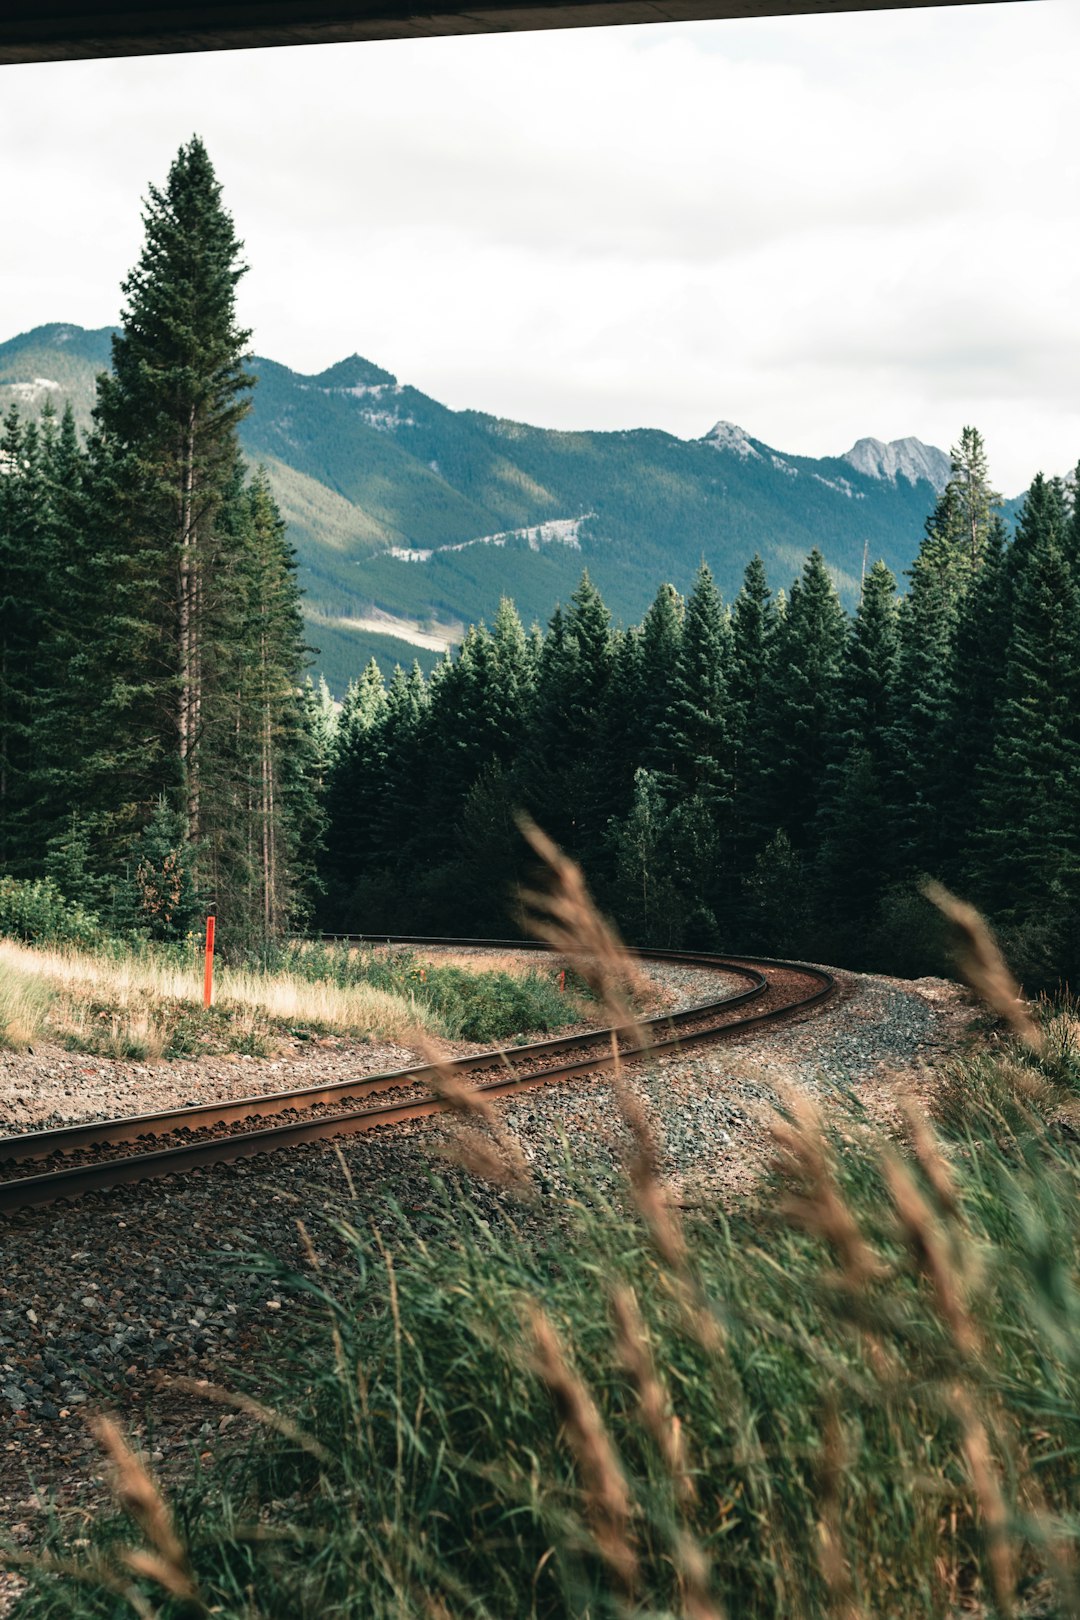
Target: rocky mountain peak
355,375
729,436
900,458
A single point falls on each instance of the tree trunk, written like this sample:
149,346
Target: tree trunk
189,632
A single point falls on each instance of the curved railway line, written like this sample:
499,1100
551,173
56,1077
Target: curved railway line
41,1167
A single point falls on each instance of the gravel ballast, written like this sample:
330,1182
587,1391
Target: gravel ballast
99,1297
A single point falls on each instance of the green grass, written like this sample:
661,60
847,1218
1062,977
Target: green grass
875,1372
472,1005
139,1000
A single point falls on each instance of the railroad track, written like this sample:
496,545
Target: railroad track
41,1167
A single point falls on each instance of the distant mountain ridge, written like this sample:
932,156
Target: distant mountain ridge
410,519
901,458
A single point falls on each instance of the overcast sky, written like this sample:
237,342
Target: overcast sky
819,228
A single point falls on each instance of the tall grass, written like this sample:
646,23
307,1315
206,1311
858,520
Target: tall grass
146,1002
857,1395
878,1412
128,1005
25,1002
477,1000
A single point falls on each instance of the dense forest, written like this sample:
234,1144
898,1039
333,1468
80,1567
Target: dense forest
775,774
154,732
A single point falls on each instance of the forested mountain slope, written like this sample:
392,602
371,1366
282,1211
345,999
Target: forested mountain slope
411,519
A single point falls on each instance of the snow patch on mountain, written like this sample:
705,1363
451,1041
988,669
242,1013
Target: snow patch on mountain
558,531
431,636
841,486
375,410
387,421
900,458
31,390
729,436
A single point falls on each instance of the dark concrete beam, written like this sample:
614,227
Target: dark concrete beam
60,30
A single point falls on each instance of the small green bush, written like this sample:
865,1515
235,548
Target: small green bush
470,1006
35,911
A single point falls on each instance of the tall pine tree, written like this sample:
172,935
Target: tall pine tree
166,440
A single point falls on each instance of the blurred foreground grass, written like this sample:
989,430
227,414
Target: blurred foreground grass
858,1396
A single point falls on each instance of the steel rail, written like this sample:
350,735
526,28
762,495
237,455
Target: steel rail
136,1127
73,1182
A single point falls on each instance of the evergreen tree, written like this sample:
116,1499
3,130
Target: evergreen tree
928,621
755,620
659,646
699,719
22,540
402,739
1043,517
868,679
648,905
354,791
798,704
1072,540
269,790
1026,849
514,687
567,782
852,860
621,726
976,675
853,842
976,504
165,467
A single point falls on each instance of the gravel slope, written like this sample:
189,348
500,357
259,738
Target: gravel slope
97,1297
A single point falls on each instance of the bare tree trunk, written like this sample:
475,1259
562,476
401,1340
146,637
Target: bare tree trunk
269,876
189,631
275,908
264,808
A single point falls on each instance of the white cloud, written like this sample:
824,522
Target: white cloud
820,227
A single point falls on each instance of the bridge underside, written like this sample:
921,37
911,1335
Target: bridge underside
59,30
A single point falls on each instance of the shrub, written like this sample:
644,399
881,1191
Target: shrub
35,910
472,1006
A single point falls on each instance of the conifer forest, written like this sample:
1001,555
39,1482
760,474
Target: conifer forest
771,774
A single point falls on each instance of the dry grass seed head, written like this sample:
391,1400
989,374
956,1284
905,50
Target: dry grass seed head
692,1568
447,1083
643,1169
983,1471
565,917
92,1571
820,1209
831,1556
140,1498
239,1402
607,1503
502,1165
980,961
931,1253
635,1357
500,1160
931,1157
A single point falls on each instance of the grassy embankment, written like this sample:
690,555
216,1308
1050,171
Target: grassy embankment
857,1395
61,981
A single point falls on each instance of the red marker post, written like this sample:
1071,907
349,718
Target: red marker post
208,981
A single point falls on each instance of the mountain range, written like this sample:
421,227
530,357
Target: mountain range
410,519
